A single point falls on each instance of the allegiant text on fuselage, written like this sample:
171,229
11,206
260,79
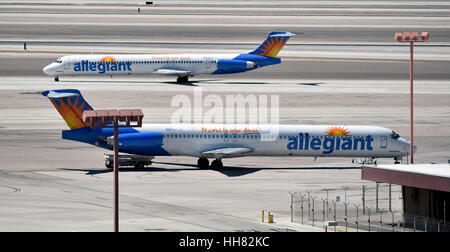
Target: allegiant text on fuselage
102,66
329,143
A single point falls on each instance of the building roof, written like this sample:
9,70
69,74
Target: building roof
426,176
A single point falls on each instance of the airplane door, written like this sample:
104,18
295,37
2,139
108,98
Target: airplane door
383,142
66,64
207,63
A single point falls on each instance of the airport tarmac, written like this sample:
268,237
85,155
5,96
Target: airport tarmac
47,184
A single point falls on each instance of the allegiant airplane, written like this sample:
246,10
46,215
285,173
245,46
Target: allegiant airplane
180,65
217,141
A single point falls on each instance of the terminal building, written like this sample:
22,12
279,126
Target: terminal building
425,192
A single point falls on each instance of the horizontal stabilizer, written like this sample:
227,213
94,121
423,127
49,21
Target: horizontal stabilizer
226,152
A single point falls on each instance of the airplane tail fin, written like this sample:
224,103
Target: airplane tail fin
273,44
70,104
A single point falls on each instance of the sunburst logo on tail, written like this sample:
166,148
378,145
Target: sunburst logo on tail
71,110
337,131
108,59
272,46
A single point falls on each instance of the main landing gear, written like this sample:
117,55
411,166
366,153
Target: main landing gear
183,79
203,164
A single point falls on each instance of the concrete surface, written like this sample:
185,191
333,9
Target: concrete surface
47,184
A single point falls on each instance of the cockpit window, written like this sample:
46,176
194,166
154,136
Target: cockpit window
58,60
395,135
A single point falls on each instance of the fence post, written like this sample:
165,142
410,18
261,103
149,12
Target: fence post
390,197
309,205
313,199
345,193
346,223
346,204
302,196
381,220
376,198
369,218
364,199
357,217
327,202
334,213
393,226
292,206
323,209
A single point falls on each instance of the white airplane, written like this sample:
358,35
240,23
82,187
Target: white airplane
219,141
180,65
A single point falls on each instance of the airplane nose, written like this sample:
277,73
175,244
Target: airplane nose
47,70
414,148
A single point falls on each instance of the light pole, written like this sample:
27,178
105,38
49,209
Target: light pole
114,119
411,37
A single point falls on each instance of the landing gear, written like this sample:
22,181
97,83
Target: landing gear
203,163
139,165
56,78
183,79
397,160
216,164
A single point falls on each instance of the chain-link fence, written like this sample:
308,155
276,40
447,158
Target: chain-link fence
373,207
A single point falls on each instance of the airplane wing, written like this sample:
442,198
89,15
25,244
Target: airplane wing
173,72
226,152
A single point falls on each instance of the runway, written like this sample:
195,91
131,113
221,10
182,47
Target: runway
342,67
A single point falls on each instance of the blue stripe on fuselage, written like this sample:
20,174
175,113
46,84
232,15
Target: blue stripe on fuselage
258,59
143,143
95,136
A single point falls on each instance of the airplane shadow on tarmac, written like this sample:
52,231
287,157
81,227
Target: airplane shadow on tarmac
229,171
310,83
189,83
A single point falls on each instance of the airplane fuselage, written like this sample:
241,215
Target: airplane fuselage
289,140
180,65
144,64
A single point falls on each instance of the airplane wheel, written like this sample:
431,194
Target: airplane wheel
56,79
216,165
203,163
139,165
183,79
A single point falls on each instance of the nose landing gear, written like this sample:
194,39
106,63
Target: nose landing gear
56,78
